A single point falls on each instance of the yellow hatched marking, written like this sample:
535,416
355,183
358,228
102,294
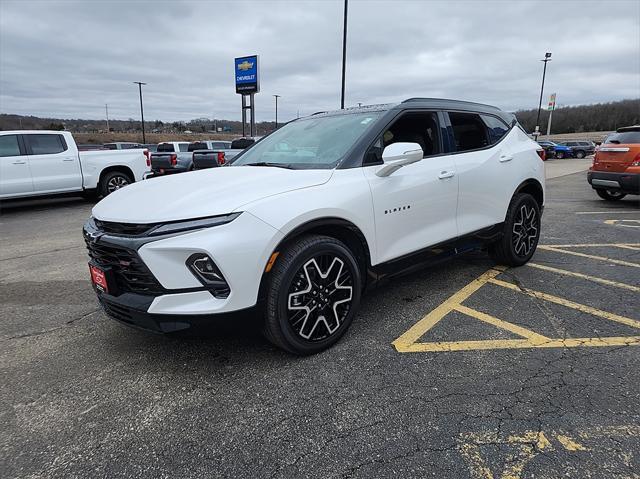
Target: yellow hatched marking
414,333
584,276
590,256
499,323
569,444
623,223
569,304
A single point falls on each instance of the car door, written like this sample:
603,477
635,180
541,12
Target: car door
485,169
15,175
55,167
414,207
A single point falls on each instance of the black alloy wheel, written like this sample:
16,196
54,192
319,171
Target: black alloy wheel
521,232
313,294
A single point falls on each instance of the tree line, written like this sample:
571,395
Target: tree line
583,118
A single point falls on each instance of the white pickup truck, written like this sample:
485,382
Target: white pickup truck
42,162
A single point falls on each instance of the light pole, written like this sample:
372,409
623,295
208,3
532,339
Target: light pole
106,109
344,52
276,97
547,58
139,83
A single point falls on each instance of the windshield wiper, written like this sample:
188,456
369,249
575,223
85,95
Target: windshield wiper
267,163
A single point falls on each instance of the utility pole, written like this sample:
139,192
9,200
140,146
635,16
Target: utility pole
106,109
276,97
344,52
139,83
547,58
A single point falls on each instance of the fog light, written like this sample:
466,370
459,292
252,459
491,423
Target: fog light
203,268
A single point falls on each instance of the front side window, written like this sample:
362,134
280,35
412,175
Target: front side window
469,131
414,127
316,142
9,145
496,128
46,144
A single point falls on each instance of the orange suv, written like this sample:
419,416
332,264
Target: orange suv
615,172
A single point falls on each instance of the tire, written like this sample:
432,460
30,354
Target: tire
580,154
559,155
302,276
610,195
521,232
112,181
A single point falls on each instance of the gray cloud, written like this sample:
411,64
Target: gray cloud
68,58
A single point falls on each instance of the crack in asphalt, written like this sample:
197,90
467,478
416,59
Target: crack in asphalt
47,331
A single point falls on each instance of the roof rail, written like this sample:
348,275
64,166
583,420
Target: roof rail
419,99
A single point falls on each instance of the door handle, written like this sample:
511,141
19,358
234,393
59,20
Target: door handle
18,162
505,158
68,159
446,174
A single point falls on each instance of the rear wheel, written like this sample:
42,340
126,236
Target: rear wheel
313,294
521,232
112,181
580,154
610,195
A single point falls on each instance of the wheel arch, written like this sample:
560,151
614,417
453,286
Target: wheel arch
120,168
338,228
532,187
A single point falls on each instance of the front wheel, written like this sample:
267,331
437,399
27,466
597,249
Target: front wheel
521,232
313,294
559,155
610,195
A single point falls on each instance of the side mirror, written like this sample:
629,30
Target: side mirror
397,155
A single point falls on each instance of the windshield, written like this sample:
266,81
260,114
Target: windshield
310,143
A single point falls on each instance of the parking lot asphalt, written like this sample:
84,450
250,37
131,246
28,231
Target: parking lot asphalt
463,370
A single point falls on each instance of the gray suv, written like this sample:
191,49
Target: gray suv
580,148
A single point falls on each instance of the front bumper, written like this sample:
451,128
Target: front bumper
240,249
132,310
628,183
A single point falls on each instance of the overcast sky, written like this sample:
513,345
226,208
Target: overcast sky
67,59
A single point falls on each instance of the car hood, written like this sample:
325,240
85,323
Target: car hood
199,194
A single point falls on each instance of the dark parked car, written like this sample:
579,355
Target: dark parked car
580,148
556,150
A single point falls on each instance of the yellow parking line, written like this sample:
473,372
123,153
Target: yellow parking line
514,328
607,212
569,304
628,246
590,256
592,245
407,340
622,223
585,276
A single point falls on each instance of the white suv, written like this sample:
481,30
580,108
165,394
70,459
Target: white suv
304,220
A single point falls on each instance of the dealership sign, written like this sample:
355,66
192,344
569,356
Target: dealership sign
247,75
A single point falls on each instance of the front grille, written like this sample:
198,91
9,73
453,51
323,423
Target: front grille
127,229
131,274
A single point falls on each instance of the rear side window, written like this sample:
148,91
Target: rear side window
496,128
469,131
198,145
46,144
624,137
165,148
183,147
9,145
110,146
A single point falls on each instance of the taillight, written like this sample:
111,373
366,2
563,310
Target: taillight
148,155
221,159
174,160
542,154
636,160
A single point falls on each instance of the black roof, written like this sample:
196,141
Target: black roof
427,103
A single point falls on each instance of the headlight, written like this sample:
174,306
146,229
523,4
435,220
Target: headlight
187,225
